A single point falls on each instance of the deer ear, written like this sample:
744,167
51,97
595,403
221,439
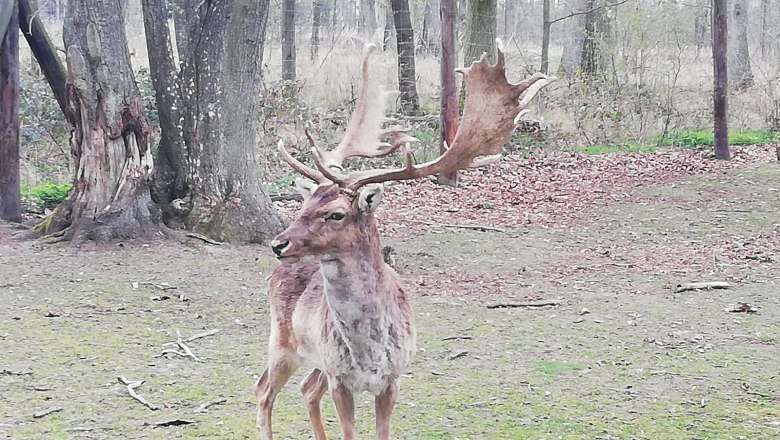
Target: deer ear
305,187
370,196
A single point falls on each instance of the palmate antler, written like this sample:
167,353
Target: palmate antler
490,114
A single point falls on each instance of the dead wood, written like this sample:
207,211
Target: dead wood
131,387
204,238
707,285
182,344
456,337
14,372
174,422
45,412
481,228
523,304
207,405
202,335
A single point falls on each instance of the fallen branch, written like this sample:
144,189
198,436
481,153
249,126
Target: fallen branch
14,372
174,422
456,337
131,387
207,405
523,304
708,285
480,228
202,335
45,412
182,345
204,238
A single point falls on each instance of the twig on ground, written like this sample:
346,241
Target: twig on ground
131,387
174,422
182,344
45,412
207,405
456,337
481,228
523,304
708,285
204,238
458,355
14,372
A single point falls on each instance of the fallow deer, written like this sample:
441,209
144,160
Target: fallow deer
335,304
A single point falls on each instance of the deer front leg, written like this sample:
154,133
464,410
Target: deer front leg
383,405
313,388
345,408
268,386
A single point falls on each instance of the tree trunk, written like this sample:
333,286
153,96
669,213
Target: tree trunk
594,59
43,50
7,10
315,29
720,87
288,41
110,141
740,74
404,36
368,18
207,179
545,36
388,33
183,14
765,22
572,50
10,197
480,30
449,94
510,18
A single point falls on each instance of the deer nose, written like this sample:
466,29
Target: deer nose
279,246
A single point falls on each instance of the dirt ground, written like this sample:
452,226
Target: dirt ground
621,357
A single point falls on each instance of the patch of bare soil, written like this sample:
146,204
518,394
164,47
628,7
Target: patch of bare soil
622,355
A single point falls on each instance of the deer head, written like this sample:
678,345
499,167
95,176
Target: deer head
338,207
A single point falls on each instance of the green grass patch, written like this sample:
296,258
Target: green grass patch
555,368
47,195
696,138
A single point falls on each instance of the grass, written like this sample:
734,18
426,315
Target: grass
684,139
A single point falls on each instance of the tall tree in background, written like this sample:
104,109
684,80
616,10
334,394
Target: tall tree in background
480,30
388,32
315,29
572,48
594,58
288,40
546,25
207,178
511,9
10,197
766,19
404,37
449,95
720,86
368,22
740,74
110,142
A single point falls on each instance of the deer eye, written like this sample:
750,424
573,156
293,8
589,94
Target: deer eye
336,216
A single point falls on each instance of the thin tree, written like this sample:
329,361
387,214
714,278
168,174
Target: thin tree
110,142
766,19
404,37
10,197
720,86
315,29
207,179
546,24
449,94
388,32
740,73
480,30
288,40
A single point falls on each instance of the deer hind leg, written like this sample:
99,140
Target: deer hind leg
384,404
313,388
279,370
345,408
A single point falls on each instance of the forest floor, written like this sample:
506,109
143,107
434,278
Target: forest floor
622,356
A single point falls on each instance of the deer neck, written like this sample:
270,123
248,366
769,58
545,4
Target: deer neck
355,280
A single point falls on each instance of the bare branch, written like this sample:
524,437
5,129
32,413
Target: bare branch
131,387
574,14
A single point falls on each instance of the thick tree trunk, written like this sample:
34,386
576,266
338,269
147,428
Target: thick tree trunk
10,197
449,94
7,9
183,14
44,51
545,65
207,179
315,29
288,41
740,74
110,139
480,30
404,36
572,50
720,87
595,58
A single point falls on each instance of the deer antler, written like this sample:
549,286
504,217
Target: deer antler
490,115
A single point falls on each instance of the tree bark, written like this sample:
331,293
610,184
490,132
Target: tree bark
404,36
315,29
207,179
572,50
288,41
594,59
449,94
740,73
7,9
110,142
765,22
720,86
10,197
44,51
545,36
183,14
388,33
480,30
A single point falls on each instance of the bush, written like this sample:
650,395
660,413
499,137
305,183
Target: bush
46,195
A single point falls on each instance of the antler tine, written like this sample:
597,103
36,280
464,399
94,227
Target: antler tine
490,115
364,130
299,166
